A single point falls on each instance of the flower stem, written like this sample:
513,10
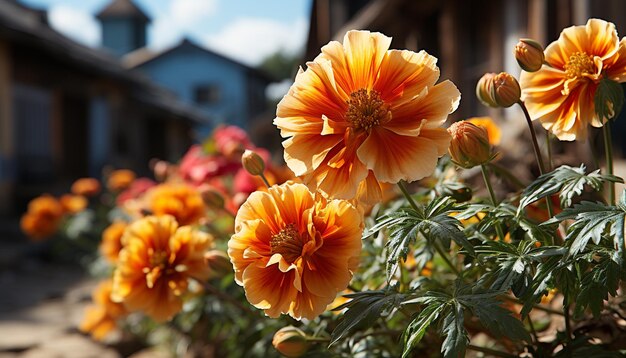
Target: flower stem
267,183
568,325
608,152
494,200
532,329
535,306
405,192
483,169
445,258
549,148
504,172
542,168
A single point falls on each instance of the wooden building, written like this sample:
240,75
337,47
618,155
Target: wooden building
67,110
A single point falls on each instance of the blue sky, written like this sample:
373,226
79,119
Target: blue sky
246,30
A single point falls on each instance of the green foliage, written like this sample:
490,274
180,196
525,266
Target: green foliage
569,181
514,263
433,222
363,310
449,311
280,65
597,283
592,221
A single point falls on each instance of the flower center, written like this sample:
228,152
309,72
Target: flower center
579,64
157,258
366,109
158,261
288,243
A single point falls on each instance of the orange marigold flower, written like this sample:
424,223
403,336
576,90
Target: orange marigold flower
111,243
362,114
179,200
155,264
86,187
492,128
73,204
100,317
120,179
561,94
42,218
293,251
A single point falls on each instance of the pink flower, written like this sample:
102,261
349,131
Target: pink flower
138,187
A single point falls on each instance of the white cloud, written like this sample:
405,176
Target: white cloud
250,40
277,90
179,18
76,24
188,12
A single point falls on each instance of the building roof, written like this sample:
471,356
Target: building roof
144,55
122,9
28,27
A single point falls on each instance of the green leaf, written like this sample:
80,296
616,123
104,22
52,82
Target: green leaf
415,331
596,285
363,310
488,309
433,222
592,221
609,99
456,340
569,181
505,214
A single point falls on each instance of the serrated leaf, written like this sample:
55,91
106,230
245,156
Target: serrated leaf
569,181
592,221
456,340
597,284
433,222
417,328
488,309
363,310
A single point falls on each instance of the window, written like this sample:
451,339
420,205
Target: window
207,94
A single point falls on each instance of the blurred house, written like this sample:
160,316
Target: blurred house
225,90
469,38
67,110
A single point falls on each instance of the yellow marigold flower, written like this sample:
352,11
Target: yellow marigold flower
492,128
100,317
179,200
73,204
42,218
362,114
293,251
86,187
561,95
111,243
156,262
120,179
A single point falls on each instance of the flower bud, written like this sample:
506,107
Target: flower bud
252,162
290,342
218,262
506,90
529,55
484,90
470,144
212,197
